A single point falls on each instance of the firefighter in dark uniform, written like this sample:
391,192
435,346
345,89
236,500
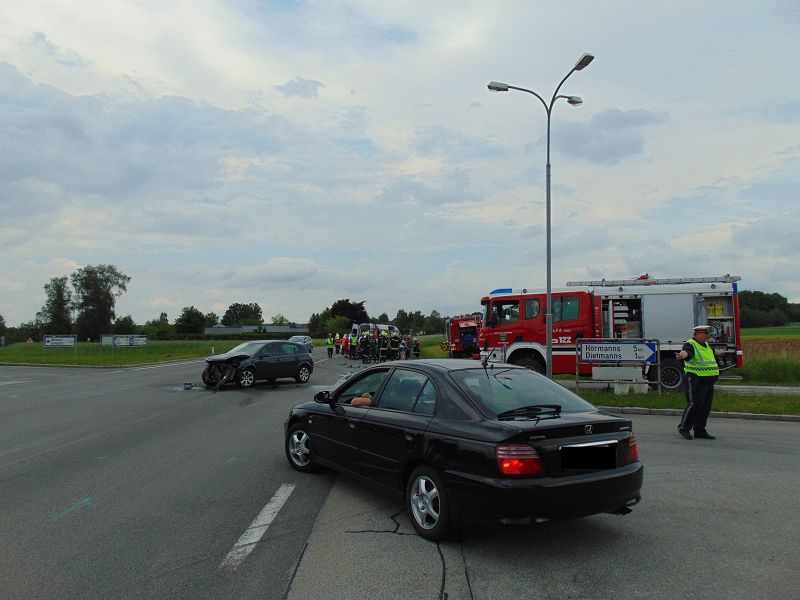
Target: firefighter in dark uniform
383,348
701,372
364,342
394,347
373,349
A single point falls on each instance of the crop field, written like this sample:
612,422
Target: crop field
771,347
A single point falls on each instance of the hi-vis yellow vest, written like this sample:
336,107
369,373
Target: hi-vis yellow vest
703,363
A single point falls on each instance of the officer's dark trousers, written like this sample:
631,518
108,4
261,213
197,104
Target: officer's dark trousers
699,394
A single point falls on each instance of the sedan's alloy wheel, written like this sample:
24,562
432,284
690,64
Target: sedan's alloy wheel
425,502
298,448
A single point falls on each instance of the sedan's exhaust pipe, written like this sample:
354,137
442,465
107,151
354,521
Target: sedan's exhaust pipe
622,510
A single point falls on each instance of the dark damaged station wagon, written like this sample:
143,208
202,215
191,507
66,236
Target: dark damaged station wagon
461,443
257,361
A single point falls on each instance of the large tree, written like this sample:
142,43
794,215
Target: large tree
158,329
191,320
124,325
55,315
336,325
352,311
434,323
317,323
242,314
96,291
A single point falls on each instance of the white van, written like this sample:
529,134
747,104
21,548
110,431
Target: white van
375,329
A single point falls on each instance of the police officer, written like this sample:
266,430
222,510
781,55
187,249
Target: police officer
330,344
701,372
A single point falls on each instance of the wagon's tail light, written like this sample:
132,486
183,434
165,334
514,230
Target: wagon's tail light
633,450
519,459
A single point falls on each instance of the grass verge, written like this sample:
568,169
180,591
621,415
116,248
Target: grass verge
770,404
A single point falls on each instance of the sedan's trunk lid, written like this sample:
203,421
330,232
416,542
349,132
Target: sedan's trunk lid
572,443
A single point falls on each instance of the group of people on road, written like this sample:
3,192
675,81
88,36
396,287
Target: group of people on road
369,348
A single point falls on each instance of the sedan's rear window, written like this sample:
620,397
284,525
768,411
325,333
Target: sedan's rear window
500,390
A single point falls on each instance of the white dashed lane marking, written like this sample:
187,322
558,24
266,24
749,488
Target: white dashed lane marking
253,534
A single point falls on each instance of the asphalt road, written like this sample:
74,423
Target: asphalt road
120,484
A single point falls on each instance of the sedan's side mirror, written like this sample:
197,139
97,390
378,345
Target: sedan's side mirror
323,397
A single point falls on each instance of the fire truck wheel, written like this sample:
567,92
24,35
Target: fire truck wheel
531,363
671,374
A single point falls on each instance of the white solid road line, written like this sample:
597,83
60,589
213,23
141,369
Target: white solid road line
257,529
161,366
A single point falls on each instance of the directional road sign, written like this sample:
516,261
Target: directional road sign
617,351
128,340
61,341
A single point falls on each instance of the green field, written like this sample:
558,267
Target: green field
787,331
89,354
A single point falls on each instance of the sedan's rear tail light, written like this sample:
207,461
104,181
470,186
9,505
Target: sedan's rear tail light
519,459
633,450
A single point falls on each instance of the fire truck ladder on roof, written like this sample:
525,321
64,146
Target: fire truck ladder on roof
652,281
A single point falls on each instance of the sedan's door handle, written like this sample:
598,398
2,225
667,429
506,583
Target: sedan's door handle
409,436
353,423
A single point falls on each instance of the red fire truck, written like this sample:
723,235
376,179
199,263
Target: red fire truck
462,335
641,308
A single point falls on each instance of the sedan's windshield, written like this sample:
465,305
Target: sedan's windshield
500,390
249,348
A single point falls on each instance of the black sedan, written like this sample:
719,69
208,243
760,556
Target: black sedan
259,360
465,443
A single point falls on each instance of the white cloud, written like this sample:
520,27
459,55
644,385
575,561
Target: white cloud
304,88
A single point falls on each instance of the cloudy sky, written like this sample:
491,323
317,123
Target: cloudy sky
292,153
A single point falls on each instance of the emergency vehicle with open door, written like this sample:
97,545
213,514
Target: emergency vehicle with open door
461,335
643,308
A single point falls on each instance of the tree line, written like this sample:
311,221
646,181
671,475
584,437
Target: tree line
759,309
343,314
84,303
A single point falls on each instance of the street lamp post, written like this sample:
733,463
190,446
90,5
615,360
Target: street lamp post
496,86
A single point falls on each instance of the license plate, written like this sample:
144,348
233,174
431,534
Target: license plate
589,457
